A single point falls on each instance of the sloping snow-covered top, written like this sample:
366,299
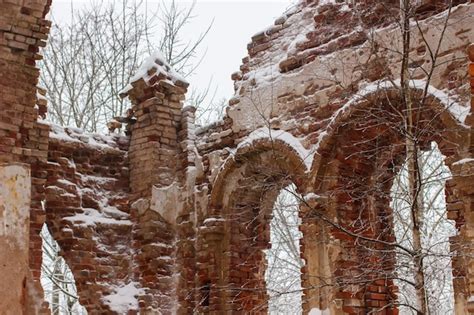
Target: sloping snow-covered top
124,298
72,134
265,133
317,311
464,161
458,111
158,62
311,196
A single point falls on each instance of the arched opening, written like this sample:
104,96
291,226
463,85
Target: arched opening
367,145
284,262
436,230
57,279
249,253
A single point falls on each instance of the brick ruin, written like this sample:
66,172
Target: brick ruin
179,215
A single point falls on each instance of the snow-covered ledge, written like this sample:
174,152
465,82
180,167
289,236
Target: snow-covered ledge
264,133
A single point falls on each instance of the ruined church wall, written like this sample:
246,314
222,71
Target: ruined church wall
304,100
298,78
143,213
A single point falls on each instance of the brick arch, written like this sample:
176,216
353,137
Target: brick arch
358,159
286,157
454,139
238,226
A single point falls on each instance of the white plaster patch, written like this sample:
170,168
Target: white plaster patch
15,197
167,202
215,164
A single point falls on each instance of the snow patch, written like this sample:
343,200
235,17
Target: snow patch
92,217
155,61
463,161
124,298
300,38
72,134
212,220
40,96
311,196
317,311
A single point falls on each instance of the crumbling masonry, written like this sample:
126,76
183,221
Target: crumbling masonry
165,212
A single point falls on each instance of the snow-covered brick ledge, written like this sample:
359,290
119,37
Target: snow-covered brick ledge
96,140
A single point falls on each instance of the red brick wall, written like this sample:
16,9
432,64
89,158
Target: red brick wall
87,210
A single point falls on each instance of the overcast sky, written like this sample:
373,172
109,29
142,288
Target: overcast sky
234,24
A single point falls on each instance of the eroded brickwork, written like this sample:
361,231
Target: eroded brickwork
176,218
87,210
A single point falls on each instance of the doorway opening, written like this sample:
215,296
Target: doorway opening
435,230
57,279
284,263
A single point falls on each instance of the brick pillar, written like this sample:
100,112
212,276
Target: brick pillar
155,165
460,204
185,219
319,252
362,213
211,272
23,30
154,147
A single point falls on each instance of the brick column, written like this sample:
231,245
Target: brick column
154,147
319,252
155,164
460,204
211,272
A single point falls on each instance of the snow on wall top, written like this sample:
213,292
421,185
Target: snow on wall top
458,111
289,31
265,133
77,135
155,65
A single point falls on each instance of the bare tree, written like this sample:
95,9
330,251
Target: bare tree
90,59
